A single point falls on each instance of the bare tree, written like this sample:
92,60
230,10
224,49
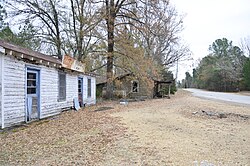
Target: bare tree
46,16
69,26
131,31
155,24
113,10
162,26
245,46
82,28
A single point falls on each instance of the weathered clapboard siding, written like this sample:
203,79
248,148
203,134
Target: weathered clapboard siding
93,84
85,89
71,89
14,94
49,92
1,56
14,91
86,99
13,102
93,91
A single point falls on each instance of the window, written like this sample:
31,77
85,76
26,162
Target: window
80,85
31,83
62,86
135,86
89,87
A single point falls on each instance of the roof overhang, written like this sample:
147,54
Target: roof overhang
29,55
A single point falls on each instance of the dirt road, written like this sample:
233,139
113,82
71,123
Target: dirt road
183,130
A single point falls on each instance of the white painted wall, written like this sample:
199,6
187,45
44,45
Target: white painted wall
15,91
71,89
49,92
89,100
1,56
93,88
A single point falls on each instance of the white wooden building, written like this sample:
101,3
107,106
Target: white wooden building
35,86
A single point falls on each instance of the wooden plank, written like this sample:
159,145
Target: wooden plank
2,90
49,99
45,115
10,121
14,90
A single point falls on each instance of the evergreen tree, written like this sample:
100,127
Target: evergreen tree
246,74
222,70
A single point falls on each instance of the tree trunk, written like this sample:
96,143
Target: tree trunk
56,24
110,9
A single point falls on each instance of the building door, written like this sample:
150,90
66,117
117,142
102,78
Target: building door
80,91
33,95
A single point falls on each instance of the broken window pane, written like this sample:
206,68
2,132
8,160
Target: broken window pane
135,86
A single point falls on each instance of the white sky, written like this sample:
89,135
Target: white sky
208,20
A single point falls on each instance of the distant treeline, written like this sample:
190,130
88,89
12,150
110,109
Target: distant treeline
226,68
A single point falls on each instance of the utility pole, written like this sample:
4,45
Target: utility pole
177,68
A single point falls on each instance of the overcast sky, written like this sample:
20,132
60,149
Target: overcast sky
208,20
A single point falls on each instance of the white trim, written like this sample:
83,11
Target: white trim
2,50
26,102
59,99
2,88
89,78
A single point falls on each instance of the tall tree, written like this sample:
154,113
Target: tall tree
188,80
245,46
222,70
156,21
3,15
161,26
46,15
111,10
68,27
246,74
82,31
83,28
26,37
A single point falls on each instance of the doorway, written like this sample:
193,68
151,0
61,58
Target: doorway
32,94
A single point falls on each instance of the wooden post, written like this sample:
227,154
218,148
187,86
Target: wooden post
169,87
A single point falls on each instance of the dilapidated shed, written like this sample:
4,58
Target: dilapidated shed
130,86
35,86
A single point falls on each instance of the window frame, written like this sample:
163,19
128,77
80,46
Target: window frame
62,98
34,80
89,87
